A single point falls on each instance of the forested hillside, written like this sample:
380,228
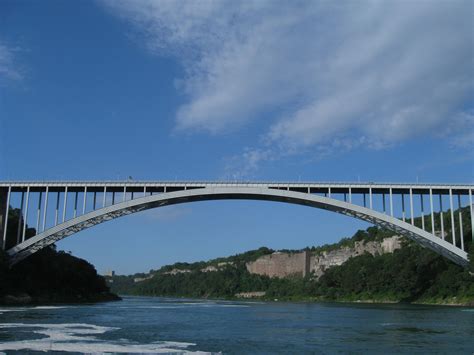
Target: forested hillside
49,276
409,274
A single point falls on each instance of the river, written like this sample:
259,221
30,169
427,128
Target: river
163,325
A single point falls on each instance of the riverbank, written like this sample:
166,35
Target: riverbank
24,299
452,302
410,275
405,274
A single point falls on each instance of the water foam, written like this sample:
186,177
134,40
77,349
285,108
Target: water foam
51,307
79,337
3,310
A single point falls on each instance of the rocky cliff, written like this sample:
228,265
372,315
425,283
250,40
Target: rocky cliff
320,262
280,264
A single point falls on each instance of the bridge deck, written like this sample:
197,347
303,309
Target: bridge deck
338,187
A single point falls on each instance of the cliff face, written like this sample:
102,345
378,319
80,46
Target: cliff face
319,263
301,264
281,264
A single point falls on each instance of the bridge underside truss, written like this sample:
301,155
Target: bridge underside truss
28,246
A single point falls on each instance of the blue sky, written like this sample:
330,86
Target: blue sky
213,90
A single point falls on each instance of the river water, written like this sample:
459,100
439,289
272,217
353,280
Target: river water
163,325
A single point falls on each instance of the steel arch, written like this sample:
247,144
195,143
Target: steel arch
72,226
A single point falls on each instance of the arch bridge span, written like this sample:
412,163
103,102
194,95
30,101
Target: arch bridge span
60,209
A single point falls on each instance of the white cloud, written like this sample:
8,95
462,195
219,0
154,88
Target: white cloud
8,69
461,133
366,73
243,166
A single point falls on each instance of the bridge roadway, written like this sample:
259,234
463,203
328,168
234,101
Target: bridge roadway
388,205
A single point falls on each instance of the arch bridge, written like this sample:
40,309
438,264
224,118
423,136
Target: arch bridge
60,209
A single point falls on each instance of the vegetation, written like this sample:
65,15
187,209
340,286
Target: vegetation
240,259
471,258
377,234
410,274
223,283
49,276
370,234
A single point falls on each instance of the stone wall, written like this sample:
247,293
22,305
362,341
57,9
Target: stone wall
281,264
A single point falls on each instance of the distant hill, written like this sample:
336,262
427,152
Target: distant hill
406,273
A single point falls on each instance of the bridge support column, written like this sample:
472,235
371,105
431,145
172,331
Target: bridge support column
441,217
370,198
422,212
104,198
472,214
45,211
403,207
84,203
57,209
461,233
25,218
391,202
451,205
65,203
75,204
432,213
18,232
4,203
38,212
